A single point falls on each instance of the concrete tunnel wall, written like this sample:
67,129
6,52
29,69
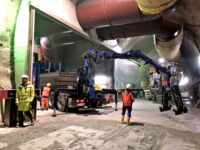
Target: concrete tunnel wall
8,18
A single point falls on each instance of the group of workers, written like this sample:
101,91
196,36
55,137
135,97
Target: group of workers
26,92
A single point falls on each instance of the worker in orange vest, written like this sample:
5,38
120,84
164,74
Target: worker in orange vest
128,99
45,97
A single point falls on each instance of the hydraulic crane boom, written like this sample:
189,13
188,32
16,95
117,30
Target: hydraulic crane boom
92,56
132,54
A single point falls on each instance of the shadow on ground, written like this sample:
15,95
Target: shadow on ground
136,124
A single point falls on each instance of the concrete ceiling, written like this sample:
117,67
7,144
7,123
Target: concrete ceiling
187,13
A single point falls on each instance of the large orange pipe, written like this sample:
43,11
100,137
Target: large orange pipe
123,18
101,13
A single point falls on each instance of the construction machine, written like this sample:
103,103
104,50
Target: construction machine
170,88
84,94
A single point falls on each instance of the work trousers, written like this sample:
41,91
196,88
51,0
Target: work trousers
45,102
128,108
21,116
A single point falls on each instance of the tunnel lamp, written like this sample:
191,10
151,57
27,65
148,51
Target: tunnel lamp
101,80
188,102
184,81
199,60
67,43
161,60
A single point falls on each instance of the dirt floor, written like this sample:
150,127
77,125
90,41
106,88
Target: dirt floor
101,129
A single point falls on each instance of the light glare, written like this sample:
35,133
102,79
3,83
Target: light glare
161,60
184,81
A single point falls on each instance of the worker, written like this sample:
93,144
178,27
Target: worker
24,97
127,99
45,96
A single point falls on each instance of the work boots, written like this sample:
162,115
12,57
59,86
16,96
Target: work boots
128,120
32,122
122,119
21,125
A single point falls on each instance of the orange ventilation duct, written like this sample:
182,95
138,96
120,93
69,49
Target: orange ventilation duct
169,48
128,18
101,13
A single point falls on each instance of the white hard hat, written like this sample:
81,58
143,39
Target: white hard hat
44,42
24,76
128,86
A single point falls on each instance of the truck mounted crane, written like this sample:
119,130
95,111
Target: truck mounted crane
170,91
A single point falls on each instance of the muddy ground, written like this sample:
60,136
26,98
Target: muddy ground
101,130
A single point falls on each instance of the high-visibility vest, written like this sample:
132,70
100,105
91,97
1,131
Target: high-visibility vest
127,99
46,91
25,95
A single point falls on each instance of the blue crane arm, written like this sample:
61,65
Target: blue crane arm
92,57
132,54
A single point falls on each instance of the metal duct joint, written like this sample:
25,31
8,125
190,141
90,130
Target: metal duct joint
169,48
154,6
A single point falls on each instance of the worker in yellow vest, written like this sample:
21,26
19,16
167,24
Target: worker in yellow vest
24,97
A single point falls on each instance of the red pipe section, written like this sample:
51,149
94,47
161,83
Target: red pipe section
101,13
122,18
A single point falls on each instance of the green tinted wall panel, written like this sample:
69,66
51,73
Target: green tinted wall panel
21,40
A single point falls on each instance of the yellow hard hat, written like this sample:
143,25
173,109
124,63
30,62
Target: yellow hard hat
48,84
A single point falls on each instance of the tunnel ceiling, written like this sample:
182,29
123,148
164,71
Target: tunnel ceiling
187,13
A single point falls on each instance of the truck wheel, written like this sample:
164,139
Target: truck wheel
61,103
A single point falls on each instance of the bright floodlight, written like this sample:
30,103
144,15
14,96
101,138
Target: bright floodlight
161,60
100,79
184,81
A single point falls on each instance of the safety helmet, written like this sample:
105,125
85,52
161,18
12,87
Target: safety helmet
48,84
24,76
128,86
